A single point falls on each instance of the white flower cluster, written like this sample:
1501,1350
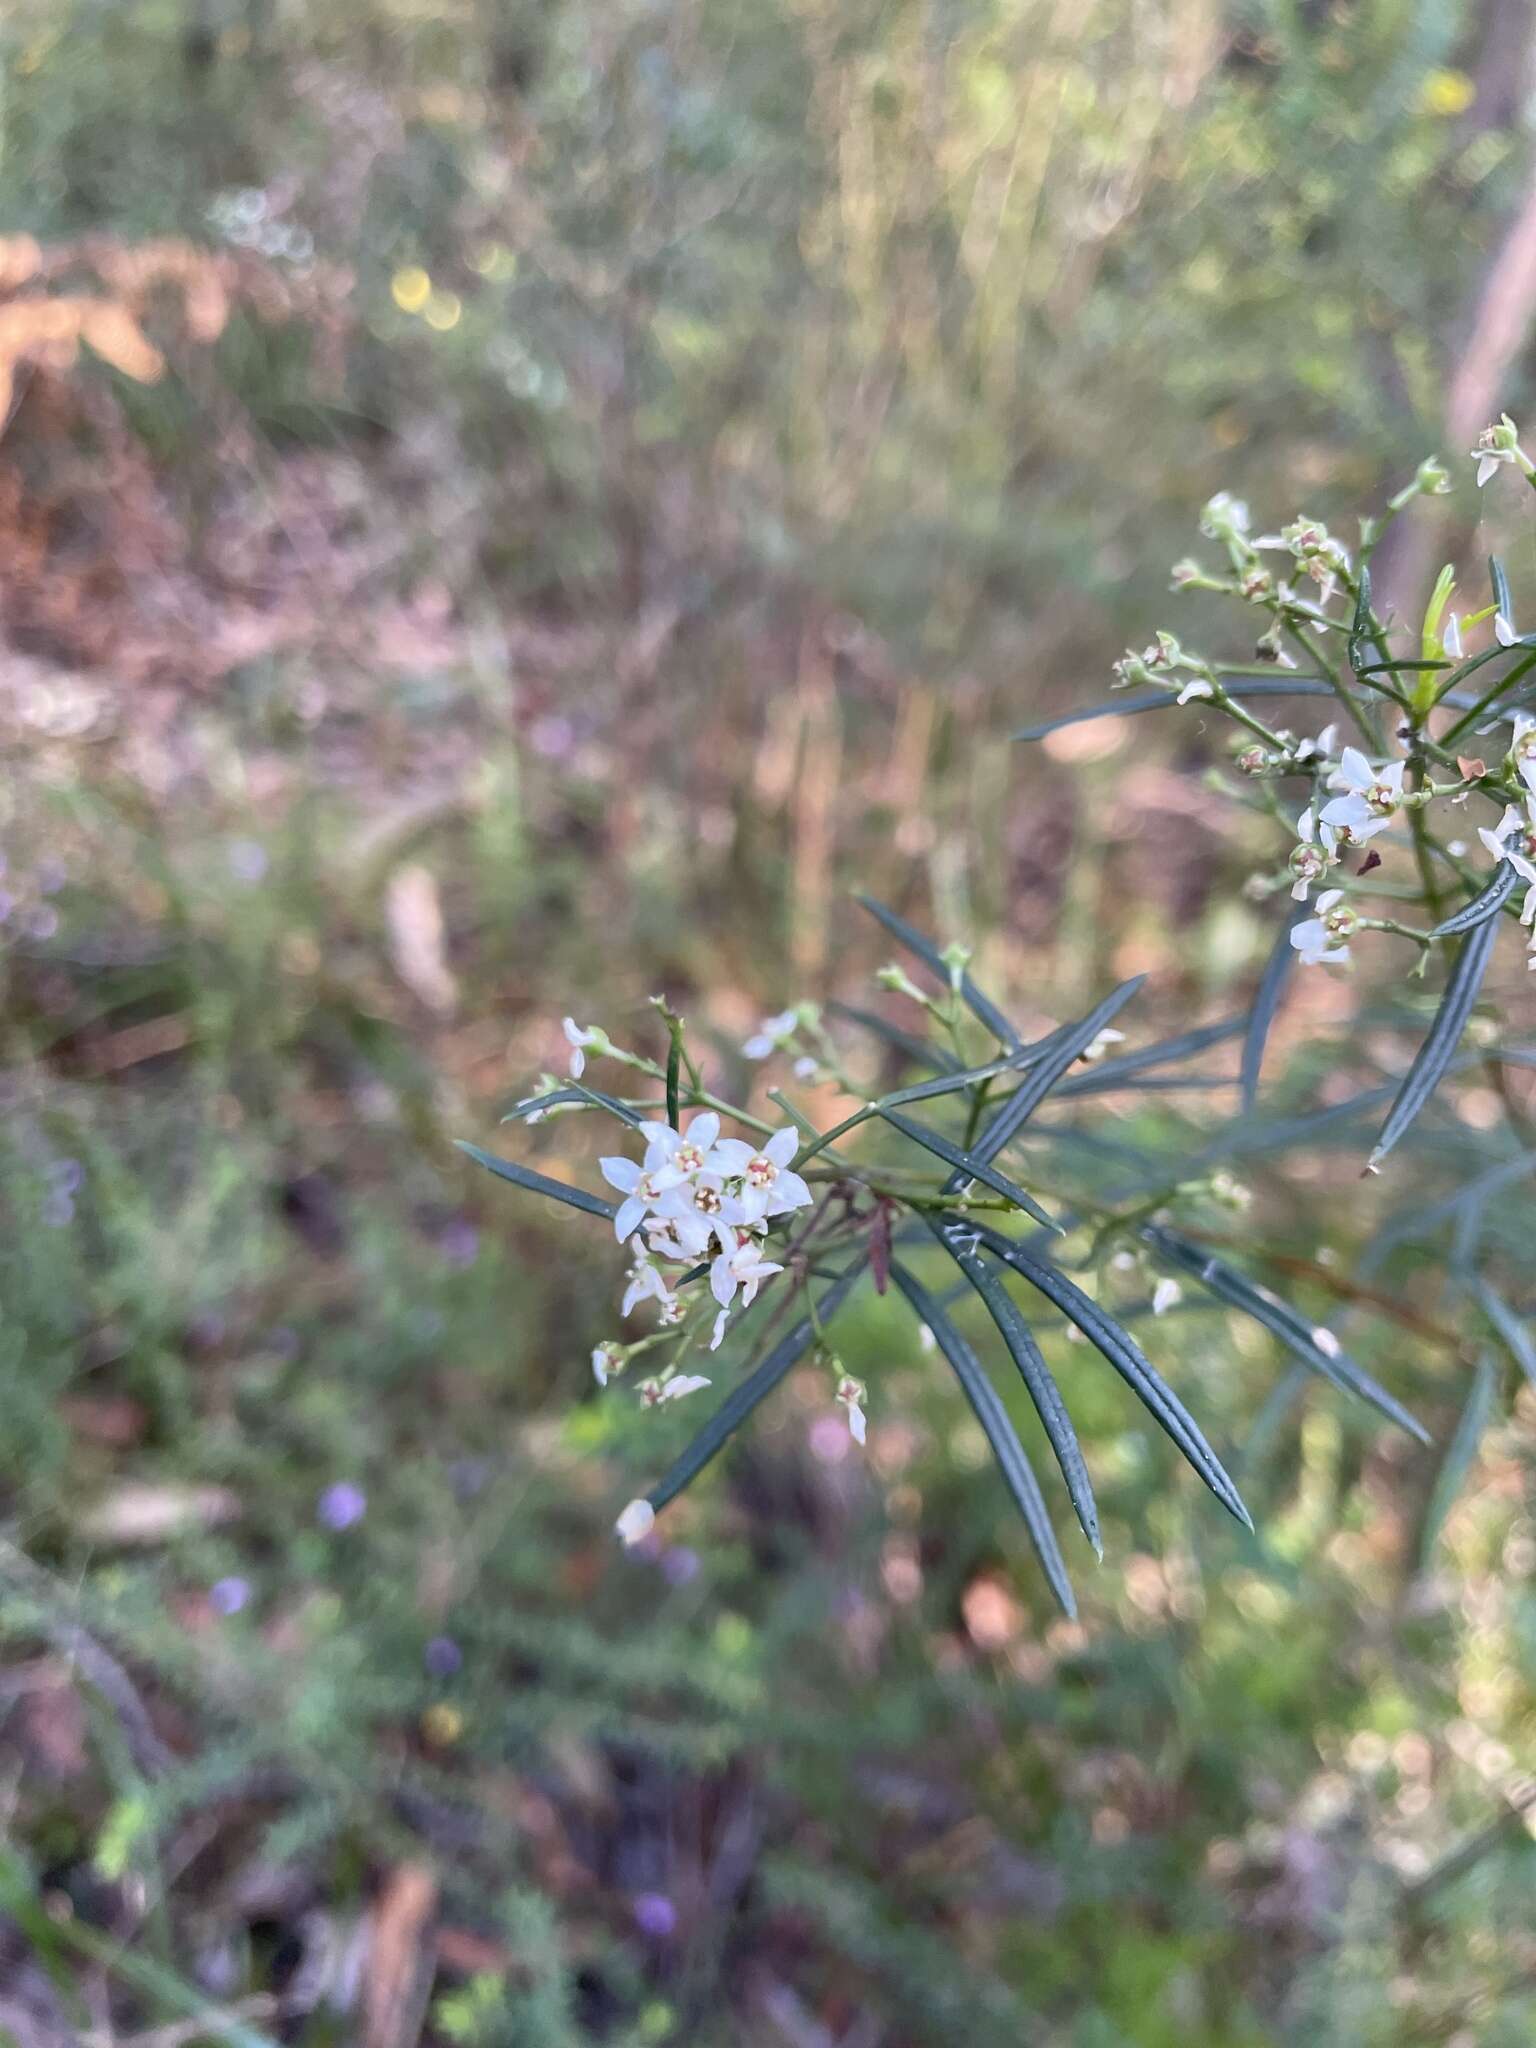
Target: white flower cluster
697,1196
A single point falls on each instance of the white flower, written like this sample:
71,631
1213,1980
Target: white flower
582,1040
741,1266
1320,748
771,1034
1314,856
1523,745
638,1188
1321,938
768,1188
804,1068
1100,1043
607,1360
1450,637
1224,514
851,1392
636,1523
671,1157
1165,1295
1372,796
1199,687
719,1332
681,1384
645,1283
1496,446
1519,850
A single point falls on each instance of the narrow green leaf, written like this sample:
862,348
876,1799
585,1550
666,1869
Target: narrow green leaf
538,1183
1104,1076
1299,1336
674,1075
1514,1332
1460,1456
1503,602
1065,1045
1488,902
967,1165
750,1392
573,1091
918,1050
1266,1001
1033,1370
1123,1353
980,1006
1163,700
919,1091
987,1406
1442,1038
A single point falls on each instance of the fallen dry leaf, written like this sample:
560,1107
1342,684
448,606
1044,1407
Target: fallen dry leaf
402,1958
150,1513
416,937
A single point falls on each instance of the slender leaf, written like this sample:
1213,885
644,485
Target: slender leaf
987,1405
674,1076
1162,700
919,1091
1442,1038
573,1091
1036,1374
1106,1075
538,1183
918,1050
1460,1456
967,1165
751,1391
1514,1331
1266,1001
1122,1352
1501,597
915,942
1001,1129
1488,902
1278,1317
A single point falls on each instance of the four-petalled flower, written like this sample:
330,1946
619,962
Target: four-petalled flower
1371,796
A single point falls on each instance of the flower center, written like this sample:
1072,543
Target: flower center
707,1201
1382,799
687,1158
1340,921
1307,863
761,1172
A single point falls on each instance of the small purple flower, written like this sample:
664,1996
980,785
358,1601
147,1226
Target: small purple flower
553,737
342,1504
679,1565
459,1242
66,1175
247,860
50,875
58,1210
43,922
228,1596
469,1476
442,1656
655,1915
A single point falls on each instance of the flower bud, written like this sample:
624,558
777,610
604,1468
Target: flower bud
1432,477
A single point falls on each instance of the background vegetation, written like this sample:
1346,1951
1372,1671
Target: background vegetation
509,508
